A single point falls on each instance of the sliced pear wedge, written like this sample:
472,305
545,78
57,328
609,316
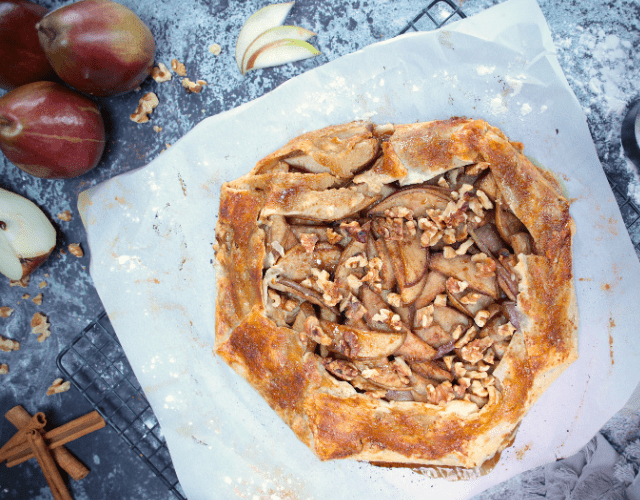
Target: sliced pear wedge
280,52
27,238
362,344
266,18
273,35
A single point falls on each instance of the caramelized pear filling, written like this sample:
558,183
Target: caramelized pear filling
411,298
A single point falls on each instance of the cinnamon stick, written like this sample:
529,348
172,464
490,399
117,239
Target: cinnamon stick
59,436
38,421
49,468
19,417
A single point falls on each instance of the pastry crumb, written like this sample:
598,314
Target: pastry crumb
215,49
37,300
4,369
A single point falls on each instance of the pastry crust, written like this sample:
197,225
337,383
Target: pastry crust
338,174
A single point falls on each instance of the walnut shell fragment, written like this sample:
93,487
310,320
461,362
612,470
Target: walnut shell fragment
397,293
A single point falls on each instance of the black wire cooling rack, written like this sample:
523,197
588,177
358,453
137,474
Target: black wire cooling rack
97,366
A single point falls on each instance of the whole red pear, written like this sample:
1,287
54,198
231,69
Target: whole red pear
97,46
51,131
22,60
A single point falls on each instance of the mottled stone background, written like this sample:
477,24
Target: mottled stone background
597,45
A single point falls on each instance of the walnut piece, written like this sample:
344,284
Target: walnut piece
65,216
161,73
146,105
40,326
76,250
5,311
4,369
58,386
8,345
178,67
37,300
193,87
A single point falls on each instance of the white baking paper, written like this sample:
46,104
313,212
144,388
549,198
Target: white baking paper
151,233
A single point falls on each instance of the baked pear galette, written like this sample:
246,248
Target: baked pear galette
397,293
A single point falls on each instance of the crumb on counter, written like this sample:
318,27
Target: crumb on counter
161,73
65,216
215,49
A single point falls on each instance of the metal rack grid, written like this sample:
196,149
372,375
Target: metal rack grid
96,365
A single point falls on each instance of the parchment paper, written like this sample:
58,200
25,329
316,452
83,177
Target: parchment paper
151,233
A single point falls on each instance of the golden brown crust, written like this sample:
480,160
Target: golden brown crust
333,418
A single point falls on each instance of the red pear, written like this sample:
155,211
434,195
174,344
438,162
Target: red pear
97,46
50,131
23,60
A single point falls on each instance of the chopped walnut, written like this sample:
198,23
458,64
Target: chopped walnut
468,336
506,330
394,299
484,199
424,316
470,298
5,311
157,129
352,308
160,73
388,317
4,369
430,232
58,386
8,345
193,87
440,300
442,394
459,370
42,284
464,189
146,105
411,227
40,326
356,261
65,216
315,332
308,241
476,207
333,236
456,286
76,250
215,49
462,249
401,212
478,389
178,67
481,317
354,282
457,332
448,252
474,350
37,300
442,182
